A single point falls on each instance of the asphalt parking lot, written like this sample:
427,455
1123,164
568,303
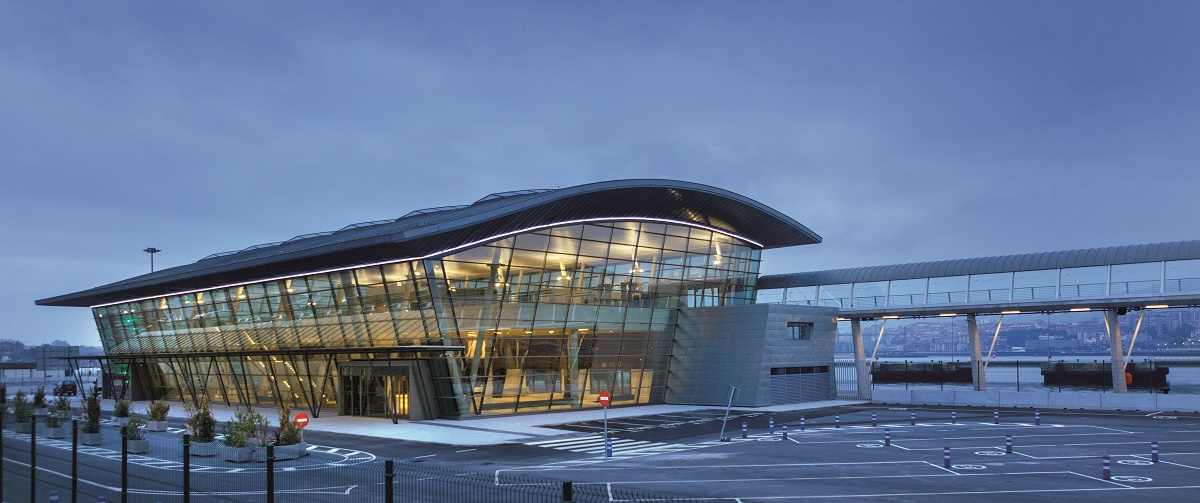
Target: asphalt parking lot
1060,459
833,454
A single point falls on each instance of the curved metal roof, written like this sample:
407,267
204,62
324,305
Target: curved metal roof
1113,255
425,232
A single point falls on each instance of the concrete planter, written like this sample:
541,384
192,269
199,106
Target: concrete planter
120,421
204,449
137,446
237,454
91,438
156,426
285,452
56,432
23,427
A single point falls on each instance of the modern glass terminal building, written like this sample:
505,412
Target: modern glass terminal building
521,301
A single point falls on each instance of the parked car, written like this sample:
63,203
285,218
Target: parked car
66,388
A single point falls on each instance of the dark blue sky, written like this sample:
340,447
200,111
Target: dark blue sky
899,131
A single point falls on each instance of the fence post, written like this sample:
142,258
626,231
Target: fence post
568,493
389,481
125,464
33,460
74,460
187,468
270,473
3,412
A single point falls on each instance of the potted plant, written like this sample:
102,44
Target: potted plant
39,402
22,412
156,415
121,412
288,438
56,422
136,442
202,426
90,433
243,434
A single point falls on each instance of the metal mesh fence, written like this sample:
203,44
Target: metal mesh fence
153,467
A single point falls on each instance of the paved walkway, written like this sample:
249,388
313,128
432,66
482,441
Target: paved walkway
476,431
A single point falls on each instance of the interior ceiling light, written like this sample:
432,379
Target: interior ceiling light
1010,312
948,315
717,258
1080,309
891,317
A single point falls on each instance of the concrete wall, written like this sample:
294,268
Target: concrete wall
718,347
1042,400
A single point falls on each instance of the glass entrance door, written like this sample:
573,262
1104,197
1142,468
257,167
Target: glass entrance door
383,396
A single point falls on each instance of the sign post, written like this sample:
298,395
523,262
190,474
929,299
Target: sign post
605,398
733,395
301,420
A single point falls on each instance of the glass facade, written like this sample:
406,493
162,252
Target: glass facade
547,318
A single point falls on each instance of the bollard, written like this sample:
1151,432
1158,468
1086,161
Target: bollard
1107,468
1037,418
1008,444
801,423
32,461
995,416
771,425
1154,451
568,493
837,420
912,418
785,432
75,461
608,446
954,417
874,419
887,437
743,429
946,457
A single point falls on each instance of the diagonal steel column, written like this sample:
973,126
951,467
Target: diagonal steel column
1118,357
978,371
860,360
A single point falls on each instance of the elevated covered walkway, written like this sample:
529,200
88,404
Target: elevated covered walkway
1118,281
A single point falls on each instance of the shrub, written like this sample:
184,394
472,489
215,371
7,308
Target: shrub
22,409
3,392
39,398
133,428
287,433
60,413
91,411
245,425
121,408
201,421
158,410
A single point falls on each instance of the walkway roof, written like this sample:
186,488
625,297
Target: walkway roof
1113,255
432,231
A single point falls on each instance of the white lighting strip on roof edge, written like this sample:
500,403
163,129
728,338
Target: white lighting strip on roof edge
451,250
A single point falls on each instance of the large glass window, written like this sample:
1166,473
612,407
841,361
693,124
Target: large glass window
547,319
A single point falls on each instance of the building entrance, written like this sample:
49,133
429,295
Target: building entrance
375,392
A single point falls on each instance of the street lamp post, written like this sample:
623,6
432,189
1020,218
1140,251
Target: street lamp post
151,250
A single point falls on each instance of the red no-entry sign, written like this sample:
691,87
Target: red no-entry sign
301,419
604,398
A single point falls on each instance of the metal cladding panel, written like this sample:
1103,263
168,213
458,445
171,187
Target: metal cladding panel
1180,250
438,230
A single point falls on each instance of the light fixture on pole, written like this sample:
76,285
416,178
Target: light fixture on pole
151,250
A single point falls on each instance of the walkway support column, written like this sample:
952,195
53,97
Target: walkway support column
1114,342
978,371
860,361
